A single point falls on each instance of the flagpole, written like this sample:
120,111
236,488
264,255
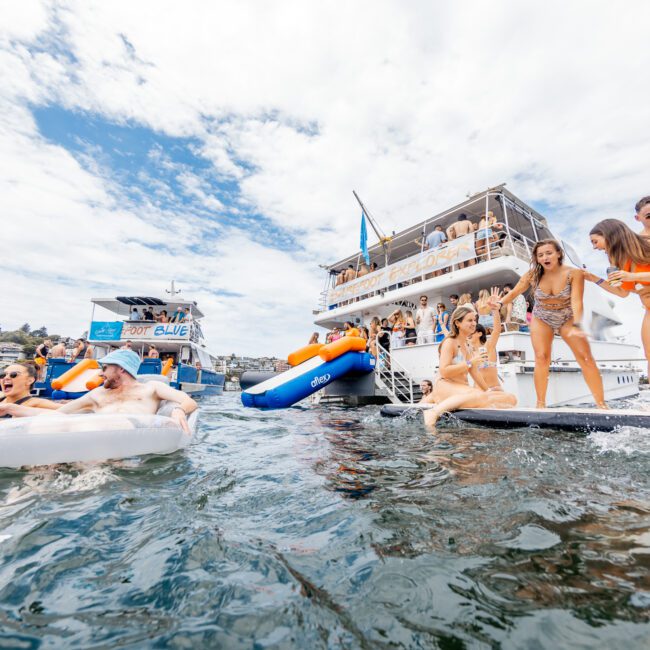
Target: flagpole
380,235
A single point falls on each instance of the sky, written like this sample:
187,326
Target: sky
218,144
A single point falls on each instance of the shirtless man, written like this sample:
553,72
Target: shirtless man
58,351
350,273
458,229
121,393
642,209
426,387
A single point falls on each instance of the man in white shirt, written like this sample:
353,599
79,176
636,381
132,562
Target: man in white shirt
424,321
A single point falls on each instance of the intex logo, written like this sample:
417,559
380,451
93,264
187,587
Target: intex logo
320,380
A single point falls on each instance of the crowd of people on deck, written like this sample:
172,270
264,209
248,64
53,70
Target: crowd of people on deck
180,315
426,324
489,236
467,332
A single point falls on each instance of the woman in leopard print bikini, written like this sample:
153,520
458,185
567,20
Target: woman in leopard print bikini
558,291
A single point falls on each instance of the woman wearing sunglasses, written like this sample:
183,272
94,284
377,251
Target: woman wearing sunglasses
16,382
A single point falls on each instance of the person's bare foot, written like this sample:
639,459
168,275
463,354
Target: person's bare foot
602,405
540,405
431,417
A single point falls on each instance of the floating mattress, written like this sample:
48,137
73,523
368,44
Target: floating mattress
51,439
566,419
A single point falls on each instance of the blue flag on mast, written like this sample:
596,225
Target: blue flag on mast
363,238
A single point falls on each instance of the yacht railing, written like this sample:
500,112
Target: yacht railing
394,377
514,243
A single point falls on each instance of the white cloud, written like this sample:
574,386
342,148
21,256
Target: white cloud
412,105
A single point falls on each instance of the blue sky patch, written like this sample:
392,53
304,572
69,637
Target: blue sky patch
150,167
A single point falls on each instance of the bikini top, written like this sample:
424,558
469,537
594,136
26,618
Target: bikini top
459,357
560,300
18,401
638,268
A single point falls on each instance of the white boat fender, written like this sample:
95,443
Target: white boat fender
51,439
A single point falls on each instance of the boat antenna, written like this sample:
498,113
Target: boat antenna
383,239
173,291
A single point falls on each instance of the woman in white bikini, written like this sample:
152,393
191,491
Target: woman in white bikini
451,390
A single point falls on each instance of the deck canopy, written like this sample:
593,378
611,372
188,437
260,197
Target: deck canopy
122,305
524,222
137,300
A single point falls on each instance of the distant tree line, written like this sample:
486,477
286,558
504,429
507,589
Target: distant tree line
27,337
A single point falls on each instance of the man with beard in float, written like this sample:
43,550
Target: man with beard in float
120,393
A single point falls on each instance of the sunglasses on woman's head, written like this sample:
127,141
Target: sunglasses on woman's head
11,375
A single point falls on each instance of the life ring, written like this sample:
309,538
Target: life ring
52,439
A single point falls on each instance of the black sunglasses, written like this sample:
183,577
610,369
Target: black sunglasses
11,375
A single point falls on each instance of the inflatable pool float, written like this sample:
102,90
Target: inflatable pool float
564,418
51,439
313,367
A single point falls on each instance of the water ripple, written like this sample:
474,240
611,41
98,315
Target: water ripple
334,528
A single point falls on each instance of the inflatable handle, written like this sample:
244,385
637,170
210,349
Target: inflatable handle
341,346
86,364
96,381
304,354
167,366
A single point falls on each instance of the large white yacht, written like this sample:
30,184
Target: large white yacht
406,271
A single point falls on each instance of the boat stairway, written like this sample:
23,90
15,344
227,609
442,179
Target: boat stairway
392,379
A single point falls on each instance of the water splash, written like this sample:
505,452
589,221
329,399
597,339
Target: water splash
625,440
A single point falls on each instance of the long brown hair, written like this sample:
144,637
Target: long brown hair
536,269
623,244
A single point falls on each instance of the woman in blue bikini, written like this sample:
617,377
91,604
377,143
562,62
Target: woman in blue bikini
558,291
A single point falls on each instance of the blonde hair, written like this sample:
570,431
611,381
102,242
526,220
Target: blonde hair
464,299
458,315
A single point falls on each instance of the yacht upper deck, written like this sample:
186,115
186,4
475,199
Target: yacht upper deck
126,327
406,269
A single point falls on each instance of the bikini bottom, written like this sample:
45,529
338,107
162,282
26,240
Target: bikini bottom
554,318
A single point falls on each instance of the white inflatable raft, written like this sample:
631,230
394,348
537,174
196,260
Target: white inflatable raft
51,439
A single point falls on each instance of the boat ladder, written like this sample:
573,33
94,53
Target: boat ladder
394,380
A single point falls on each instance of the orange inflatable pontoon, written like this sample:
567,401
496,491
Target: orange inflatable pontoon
69,375
167,366
304,354
94,382
341,346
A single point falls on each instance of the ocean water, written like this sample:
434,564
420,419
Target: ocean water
334,528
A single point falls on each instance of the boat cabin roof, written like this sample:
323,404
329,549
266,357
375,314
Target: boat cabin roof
521,218
122,305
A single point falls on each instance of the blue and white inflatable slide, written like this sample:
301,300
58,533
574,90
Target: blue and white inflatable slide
302,380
